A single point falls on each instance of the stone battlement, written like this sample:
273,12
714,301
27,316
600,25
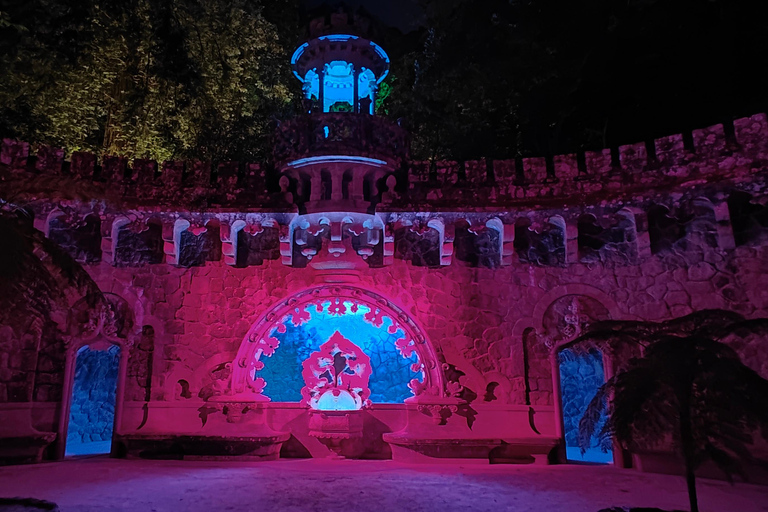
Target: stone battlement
741,147
710,154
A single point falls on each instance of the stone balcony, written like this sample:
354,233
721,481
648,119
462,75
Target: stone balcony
340,134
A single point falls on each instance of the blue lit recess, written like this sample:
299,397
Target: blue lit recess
581,375
391,372
338,87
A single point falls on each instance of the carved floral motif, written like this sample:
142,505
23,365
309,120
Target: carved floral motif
336,376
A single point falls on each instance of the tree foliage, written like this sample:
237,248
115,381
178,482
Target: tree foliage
688,387
497,78
147,78
501,78
38,279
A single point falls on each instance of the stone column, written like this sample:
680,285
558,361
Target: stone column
355,87
640,221
571,241
316,185
725,239
321,90
337,174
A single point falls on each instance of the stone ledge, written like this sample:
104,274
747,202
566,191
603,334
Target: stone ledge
525,450
200,447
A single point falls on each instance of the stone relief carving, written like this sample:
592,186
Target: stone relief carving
568,317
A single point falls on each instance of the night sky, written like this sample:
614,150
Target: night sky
403,14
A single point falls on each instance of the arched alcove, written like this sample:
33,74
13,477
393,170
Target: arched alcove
91,420
271,358
100,334
581,373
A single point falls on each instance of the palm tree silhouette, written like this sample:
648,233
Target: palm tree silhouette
688,387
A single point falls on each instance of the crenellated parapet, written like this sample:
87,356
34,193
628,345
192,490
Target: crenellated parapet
352,169
617,207
667,165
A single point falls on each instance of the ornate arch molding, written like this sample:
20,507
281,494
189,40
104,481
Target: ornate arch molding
257,341
575,320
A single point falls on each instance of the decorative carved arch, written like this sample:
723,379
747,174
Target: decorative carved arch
256,341
537,323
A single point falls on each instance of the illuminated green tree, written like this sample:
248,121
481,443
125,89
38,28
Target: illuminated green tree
147,78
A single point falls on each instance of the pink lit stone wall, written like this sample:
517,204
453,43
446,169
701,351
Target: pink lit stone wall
516,269
493,325
478,318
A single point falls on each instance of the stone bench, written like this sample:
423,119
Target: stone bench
200,446
24,449
523,450
20,441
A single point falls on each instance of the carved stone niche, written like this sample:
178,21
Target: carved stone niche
80,236
479,245
749,218
199,243
682,228
540,243
338,240
139,243
418,243
611,239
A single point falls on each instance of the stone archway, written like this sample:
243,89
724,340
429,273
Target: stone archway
261,341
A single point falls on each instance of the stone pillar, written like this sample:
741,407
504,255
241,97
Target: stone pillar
725,239
373,99
389,245
321,89
571,241
169,242
286,244
355,87
316,185
508,244
558,404
447,236
640,222
356,186
228,235
337,175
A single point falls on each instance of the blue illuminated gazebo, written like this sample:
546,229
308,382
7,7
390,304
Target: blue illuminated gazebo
340,72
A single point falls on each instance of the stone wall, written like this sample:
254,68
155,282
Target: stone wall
498,268
493,325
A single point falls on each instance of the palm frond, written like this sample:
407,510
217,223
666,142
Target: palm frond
36,275
593,415
599,336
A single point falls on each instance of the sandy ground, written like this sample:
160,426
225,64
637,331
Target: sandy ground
107,485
